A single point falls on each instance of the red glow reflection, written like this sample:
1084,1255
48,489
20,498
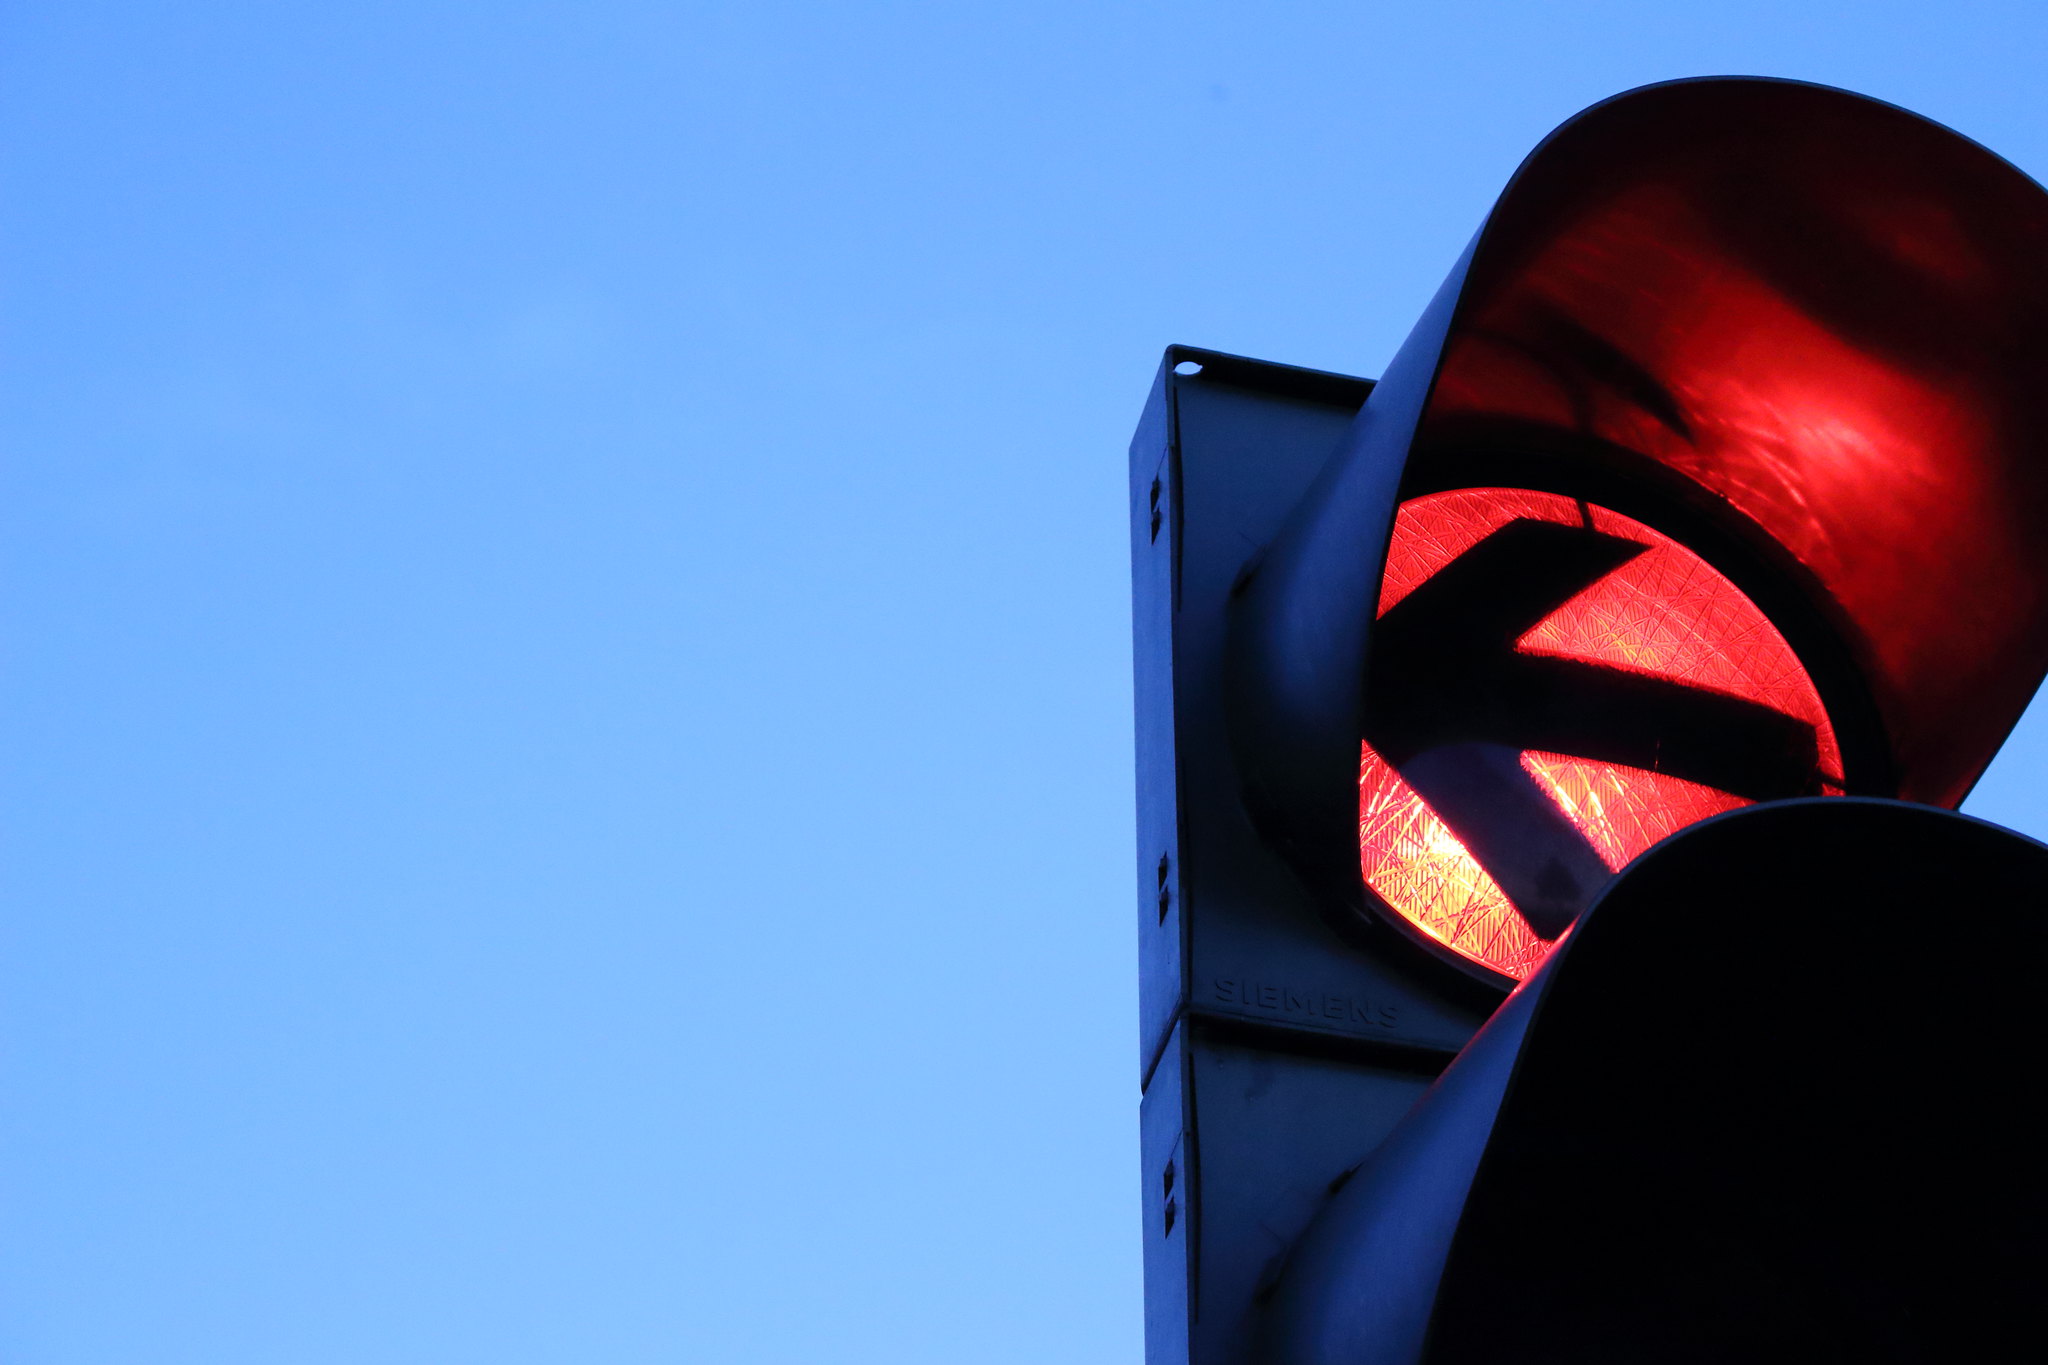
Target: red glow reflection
1666,614
1828,314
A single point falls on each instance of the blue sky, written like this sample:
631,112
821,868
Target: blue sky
567,748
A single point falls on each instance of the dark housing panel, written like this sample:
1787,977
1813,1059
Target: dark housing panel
1820,1143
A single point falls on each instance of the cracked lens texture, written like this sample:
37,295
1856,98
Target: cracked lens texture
1666,613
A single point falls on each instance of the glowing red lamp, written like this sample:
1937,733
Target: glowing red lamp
1663,614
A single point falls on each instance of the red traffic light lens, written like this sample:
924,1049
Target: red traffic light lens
1661,613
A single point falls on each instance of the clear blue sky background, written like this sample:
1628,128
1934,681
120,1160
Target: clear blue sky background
566,704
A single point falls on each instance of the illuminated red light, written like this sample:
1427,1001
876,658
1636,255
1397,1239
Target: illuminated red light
1664,614
1416,865
1623,810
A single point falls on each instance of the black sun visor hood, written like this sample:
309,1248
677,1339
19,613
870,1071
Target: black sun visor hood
1803,331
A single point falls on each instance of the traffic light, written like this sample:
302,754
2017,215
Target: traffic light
1715,477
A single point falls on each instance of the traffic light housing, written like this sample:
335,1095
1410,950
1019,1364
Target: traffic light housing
1712,477
1819,1142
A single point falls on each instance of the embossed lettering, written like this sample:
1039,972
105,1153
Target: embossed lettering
1297,1000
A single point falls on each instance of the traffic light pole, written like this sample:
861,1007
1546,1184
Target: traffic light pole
1276,1049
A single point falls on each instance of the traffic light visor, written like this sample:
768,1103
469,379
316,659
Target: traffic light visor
1814,322
1751,367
